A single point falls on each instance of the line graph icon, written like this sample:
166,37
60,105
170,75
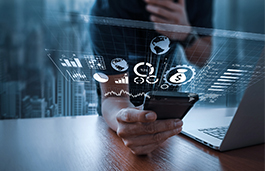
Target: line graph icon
77,75
126,92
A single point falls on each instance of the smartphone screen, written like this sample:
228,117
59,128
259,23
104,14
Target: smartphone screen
169,105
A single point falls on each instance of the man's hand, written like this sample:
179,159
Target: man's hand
171,15
168,12
141,132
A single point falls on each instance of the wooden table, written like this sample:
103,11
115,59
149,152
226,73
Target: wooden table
86,143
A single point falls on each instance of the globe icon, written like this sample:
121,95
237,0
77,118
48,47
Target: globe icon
119,64
160,45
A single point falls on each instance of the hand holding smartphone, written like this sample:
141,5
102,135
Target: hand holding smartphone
169,104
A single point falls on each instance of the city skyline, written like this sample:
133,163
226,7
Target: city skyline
30,85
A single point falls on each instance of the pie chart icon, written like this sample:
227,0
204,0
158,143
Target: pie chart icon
100,77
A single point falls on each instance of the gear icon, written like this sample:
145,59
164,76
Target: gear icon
176,76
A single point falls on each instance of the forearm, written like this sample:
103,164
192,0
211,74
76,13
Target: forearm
110,108
111,104
200,51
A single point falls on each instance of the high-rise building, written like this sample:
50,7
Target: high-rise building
38,107
26,107
79,99
91,97
64,96
25,70
3,79
11,97
71,97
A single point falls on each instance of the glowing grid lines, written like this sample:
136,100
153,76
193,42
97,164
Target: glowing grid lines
235,54
234,72
231,64
74,65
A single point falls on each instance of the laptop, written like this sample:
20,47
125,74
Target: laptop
227,128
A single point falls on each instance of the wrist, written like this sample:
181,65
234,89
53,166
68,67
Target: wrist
190,39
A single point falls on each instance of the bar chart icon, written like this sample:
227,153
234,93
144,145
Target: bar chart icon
123,80
75,62
76,66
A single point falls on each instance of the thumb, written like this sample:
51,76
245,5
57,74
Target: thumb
131,115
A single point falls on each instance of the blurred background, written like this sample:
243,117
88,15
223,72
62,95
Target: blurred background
32,87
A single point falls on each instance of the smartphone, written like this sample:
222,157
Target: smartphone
169,104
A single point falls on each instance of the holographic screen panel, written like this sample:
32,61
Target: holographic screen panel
232,66
76,66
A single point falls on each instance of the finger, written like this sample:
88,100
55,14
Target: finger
135,115
166,4
157,10
163,13
167,30
144,150
181,2
160,126
151,138
150,128
159,20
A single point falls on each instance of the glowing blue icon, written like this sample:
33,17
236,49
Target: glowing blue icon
160,45
71,63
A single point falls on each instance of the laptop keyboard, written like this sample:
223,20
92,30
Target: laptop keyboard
218,132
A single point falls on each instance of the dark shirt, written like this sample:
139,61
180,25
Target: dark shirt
133,44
